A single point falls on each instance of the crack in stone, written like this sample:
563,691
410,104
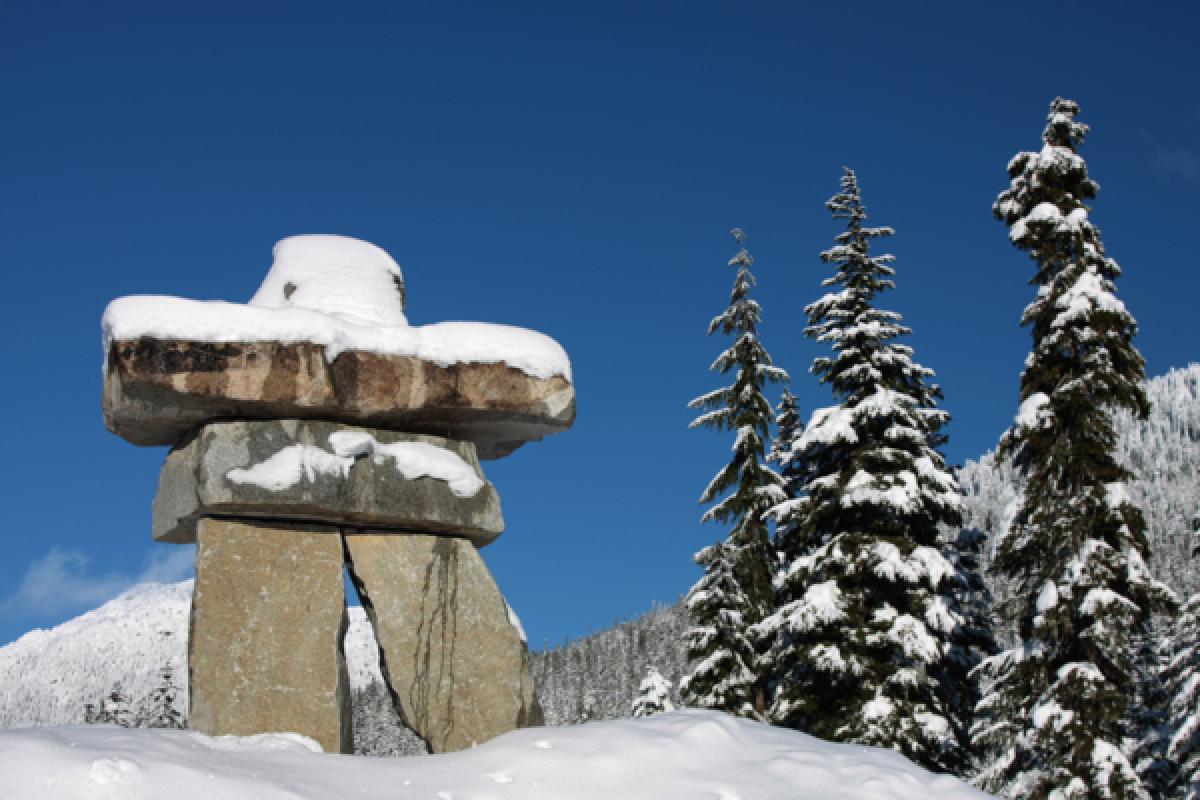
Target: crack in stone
441,570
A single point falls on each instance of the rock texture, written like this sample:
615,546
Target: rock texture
156,390
207,476
455,660
265,648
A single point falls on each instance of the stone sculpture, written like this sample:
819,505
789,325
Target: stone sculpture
314,432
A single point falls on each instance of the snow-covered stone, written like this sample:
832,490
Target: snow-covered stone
309,470
336,275
325,337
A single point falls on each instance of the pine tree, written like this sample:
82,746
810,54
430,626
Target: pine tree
1057,711
868,642
654,695
1182,680
788,429
114,708
735,591
161,711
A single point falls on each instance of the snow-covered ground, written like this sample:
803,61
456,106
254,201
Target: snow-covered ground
685,755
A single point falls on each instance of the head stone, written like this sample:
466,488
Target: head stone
338,275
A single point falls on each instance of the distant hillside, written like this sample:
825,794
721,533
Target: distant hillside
1163,453
597,677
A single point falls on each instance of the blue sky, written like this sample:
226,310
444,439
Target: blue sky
569,167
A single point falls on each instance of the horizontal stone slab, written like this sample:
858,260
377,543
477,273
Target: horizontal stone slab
157,390
325,472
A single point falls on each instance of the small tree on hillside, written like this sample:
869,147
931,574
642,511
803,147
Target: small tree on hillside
1058,711
160,712
114,708
867,644
735,591
654,695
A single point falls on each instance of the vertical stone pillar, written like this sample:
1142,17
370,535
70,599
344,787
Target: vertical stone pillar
268,617
451,650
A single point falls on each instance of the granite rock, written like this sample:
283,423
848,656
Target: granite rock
453,654
325,472
156,390
265,646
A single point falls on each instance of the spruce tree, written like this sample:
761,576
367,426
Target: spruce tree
735,591
1182,680
867,644
1057,710
161,711
654,695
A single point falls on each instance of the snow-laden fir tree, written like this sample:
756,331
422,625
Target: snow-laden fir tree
654,695
868,643
789,427
1182,680
735,591
159,710
1057,710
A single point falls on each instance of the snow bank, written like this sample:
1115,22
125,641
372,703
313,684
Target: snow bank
340,293
687,755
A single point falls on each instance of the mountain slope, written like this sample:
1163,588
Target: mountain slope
1163,453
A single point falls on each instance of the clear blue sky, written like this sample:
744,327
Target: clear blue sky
569,167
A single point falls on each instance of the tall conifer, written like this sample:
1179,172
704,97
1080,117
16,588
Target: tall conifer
868,642
735,591
1058,710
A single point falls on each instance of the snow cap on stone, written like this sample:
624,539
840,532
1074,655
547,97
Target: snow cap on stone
336,275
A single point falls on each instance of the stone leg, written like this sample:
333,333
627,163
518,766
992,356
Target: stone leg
452,657
268,617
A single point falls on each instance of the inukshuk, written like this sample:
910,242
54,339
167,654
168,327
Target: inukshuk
313,430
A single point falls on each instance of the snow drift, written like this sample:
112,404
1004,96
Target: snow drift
686,755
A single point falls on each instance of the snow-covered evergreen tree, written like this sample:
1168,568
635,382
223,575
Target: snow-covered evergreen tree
735,591
1057,708
114,708
159,710
788,429
654,695
1182,681
868,643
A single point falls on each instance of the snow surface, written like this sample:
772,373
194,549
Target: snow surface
413,460
336,275
289,466
515,621
685,755
339,293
